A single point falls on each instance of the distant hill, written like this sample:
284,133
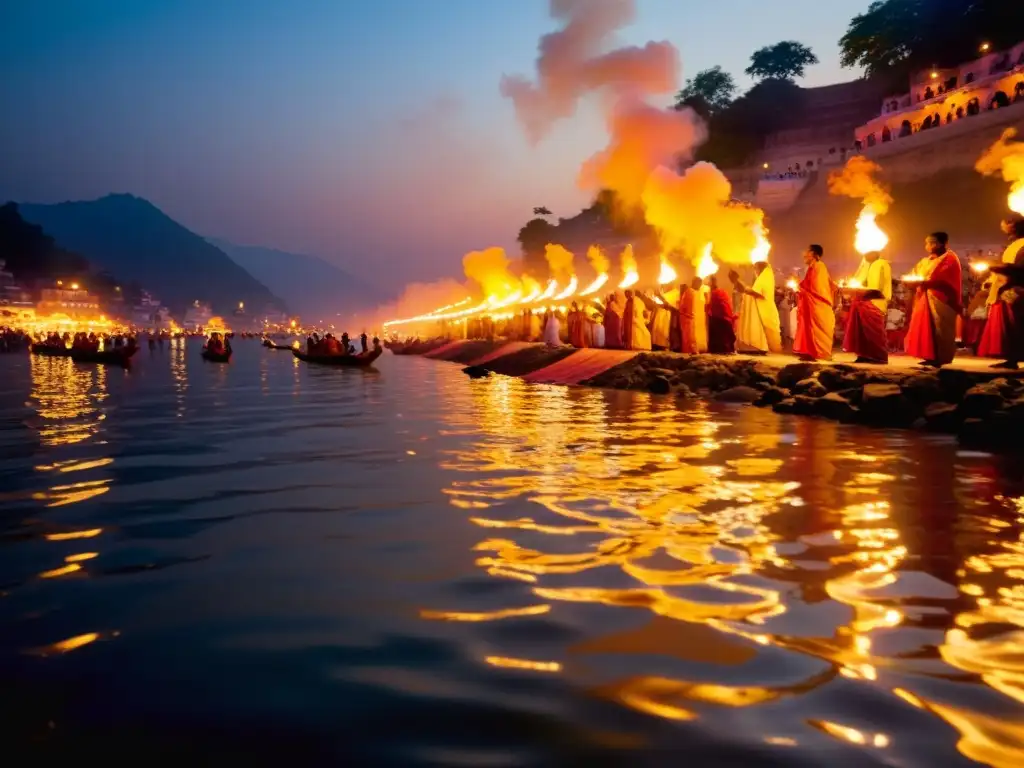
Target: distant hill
135,240
311,286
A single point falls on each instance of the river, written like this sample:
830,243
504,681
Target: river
278,563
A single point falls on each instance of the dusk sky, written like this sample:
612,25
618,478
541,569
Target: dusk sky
372,134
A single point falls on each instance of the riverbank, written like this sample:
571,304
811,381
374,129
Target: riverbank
984,408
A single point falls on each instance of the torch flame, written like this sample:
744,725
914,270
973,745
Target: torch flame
979,266
762,248
707,266
549,291
870,236
792,284
570,289
630,274
667,274
595,286
1016,198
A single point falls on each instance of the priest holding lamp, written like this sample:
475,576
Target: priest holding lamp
870,290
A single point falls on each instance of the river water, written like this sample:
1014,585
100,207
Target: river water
277,563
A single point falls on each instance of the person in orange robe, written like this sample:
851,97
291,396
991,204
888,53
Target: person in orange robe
577,327
689,304
721,321
1003,336
865,327
815,313
613,312
931,333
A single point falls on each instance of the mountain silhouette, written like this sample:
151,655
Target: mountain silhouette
312,286
133,239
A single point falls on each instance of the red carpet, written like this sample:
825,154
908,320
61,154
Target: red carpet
580,366
504,349
445,349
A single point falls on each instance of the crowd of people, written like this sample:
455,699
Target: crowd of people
88,342
934,309
13,340
328,344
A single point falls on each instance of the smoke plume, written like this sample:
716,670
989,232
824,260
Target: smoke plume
575,61
857,179
1006,158
598,260
490,269
560,261
696,208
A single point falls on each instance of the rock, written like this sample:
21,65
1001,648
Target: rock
795,372
659,385
772,396
691,377
740,394
788,405
809,387
954,382
923,389
800,405
1015,409
476,371
834,406
682,392
834,379
942,417
886,404
1006,387
854,395
663,372
988,434
980,400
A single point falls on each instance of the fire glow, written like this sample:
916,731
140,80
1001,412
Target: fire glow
870,236
707,266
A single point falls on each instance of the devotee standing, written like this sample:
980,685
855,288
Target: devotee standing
693,319
815,313
721,321
635,334
1003,337
759,329
551,330
661,323
613,314
931,334
865,328
577,327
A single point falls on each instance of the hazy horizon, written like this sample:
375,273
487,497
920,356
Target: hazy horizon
371,136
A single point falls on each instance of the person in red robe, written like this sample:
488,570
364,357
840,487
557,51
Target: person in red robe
613,313
815,309
931,333
865,327
1003,336
721,321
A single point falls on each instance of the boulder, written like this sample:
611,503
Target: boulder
809,387
834,406
980,400
659,385
954,382
476,371
834,379
923,389
800,405
989,434
942,417
788,377
772,396
854,395
886,404
691,377
740,394
682,392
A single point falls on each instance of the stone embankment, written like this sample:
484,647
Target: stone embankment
984,409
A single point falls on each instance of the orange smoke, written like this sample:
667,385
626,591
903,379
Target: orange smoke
560,262
696,208
1006,157
489,269
575,61
642,138
856,179
598,260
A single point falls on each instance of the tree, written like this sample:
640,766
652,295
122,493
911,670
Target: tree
707,92
542,210
894,38
783,61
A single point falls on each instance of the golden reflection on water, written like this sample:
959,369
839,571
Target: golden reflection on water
67,399
716,539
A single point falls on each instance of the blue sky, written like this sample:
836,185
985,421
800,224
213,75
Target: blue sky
370,133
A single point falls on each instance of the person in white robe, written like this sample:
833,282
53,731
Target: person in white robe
551,330
759,329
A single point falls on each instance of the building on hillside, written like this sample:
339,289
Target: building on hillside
12,293
941,97
150,313
197,316
69,299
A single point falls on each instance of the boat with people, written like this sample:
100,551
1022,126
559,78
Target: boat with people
51,350
115,356
270,344
361,360
217,349
224,356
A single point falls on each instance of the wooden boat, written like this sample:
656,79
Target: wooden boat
115,356
274,345
48,350
361,360
217,357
